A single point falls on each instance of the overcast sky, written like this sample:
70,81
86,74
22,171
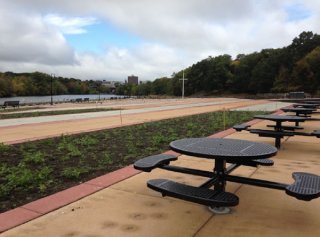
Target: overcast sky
111,39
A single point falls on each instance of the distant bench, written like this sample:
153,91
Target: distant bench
14,103
79,100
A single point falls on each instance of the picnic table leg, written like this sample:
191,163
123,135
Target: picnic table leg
220,185
219,170
297,114
278,142
278,128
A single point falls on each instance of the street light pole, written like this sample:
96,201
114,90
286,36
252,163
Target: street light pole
51,90
99,88
183,79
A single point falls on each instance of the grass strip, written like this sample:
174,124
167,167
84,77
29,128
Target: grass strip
53,112
32,170
20,109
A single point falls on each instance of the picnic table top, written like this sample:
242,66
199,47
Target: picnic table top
219,148
298,109
306,105
281,118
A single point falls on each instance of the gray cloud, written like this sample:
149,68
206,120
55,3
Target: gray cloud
175,33
25,38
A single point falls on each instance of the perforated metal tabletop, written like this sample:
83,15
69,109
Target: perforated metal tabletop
298,109
281,118
306,105
220,148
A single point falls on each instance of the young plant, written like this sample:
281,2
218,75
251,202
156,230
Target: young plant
74,172
36,157
87,141
4,147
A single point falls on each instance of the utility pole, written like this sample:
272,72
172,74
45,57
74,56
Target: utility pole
99,89
51,89
183,79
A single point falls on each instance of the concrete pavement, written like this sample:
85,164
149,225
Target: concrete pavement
27,129
63,117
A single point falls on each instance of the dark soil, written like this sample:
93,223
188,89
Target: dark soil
32,170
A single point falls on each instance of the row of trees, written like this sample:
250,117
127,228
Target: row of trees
292,68
37,84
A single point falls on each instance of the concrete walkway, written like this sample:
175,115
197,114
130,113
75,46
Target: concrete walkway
27,129
63,117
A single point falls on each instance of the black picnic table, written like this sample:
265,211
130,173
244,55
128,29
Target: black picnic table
313,106
279,129
279,119
299,111
222,151
311,102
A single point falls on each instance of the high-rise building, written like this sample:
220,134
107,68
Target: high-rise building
133,80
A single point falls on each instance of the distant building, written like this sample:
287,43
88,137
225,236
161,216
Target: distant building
109,84
133,80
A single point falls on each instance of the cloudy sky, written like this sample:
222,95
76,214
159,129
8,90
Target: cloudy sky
111,39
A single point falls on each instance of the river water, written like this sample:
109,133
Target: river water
56,98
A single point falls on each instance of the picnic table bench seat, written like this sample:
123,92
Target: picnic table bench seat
199,195
306,186
271,133
240,127
149,163
290,128
255,163
316,133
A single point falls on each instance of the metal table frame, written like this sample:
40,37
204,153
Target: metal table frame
279,119
221,173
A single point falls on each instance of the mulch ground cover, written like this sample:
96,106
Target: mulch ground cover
29,171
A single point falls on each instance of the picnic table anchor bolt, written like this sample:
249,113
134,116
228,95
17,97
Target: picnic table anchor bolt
220,210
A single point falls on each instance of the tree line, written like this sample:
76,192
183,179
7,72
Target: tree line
41,84
292,68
